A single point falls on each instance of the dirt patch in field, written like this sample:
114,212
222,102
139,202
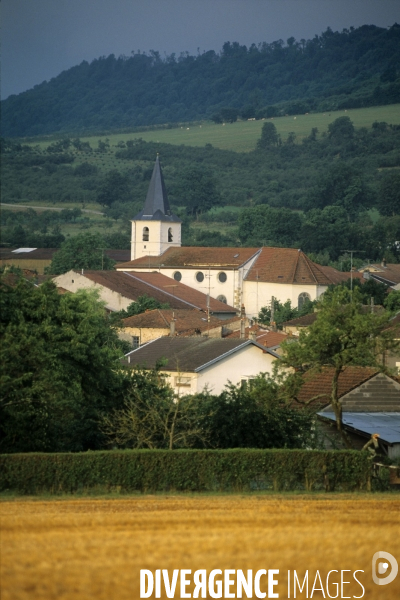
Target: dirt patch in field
84,548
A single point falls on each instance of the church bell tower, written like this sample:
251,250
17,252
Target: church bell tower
155,228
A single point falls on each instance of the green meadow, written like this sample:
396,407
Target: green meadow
242,136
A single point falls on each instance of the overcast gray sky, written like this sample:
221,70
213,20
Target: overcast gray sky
41,38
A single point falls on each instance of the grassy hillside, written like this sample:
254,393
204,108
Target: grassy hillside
314,191
241,136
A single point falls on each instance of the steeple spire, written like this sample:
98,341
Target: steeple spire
156,207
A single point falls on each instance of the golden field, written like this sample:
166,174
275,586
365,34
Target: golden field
86,548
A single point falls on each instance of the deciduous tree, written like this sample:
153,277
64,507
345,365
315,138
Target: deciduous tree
341,336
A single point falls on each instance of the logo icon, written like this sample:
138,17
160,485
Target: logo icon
384,559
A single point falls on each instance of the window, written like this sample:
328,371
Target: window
170,238
145,234
247,382
200,276
222,277
177,276
222,299
135,342
182,381
304,297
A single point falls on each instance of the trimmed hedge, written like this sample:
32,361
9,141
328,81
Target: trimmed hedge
184,470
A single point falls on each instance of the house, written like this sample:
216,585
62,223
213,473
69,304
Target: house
152,324
294,326
38,259
264,336
119,289
389,274
192,364
236,276
370,403
391,358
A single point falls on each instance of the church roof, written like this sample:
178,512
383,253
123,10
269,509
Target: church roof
287,265
195,257
156,207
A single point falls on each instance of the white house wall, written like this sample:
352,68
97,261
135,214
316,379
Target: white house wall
73,282
243,364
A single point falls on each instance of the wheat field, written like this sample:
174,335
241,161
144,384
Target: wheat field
78,549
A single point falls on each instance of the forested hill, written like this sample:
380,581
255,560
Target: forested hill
354,68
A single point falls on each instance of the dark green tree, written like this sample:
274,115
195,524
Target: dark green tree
60,368
389,194
284,312
83,251
269,136
341,129
114,188
197,190
142,304
343,335
253,415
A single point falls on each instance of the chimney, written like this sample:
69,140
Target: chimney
172,328
253,335
383,263
242,329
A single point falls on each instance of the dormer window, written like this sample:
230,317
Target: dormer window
170,238
145,234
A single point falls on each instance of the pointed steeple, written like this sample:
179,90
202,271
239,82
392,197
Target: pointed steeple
156,207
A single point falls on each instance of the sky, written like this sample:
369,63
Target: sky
42,38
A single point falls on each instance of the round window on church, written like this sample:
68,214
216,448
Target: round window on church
222,277
200,276
222,299
177,275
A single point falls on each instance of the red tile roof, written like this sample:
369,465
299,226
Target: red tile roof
340,276
192,256
304,321
390,272
164,289
265,337
286,265
186,321
318,384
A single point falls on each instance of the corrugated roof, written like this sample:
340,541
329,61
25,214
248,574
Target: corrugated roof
48,253
195,257
387,425
185,320
186,353
164,289
286,265
35,254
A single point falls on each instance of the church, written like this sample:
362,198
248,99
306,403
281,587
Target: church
247,277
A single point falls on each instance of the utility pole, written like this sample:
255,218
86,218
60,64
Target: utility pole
351,264
102,257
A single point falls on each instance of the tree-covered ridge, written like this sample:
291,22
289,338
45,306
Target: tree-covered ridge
348,69
317,195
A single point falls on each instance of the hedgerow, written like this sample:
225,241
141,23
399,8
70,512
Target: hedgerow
185,470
